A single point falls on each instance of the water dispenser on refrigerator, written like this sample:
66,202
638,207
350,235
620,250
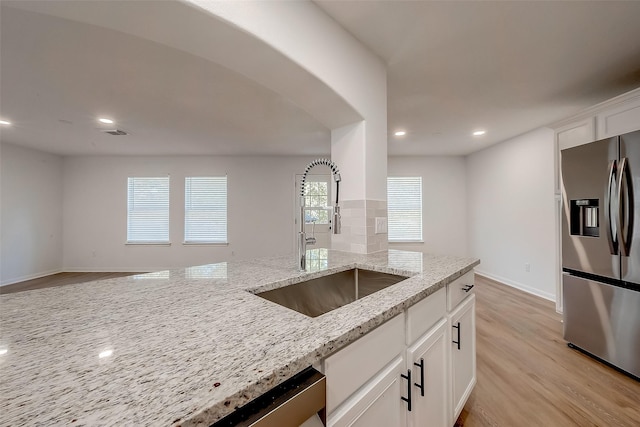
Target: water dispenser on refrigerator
584,217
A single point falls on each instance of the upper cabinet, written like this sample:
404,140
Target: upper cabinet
619,119
613,117
576,133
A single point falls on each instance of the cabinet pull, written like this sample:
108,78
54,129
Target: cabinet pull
467,288
458,328
408,398
421,385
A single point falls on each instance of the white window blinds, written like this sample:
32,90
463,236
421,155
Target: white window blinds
148,210
205,210
404,204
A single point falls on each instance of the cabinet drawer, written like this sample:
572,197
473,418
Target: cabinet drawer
377,403
423,315
459,289
350,368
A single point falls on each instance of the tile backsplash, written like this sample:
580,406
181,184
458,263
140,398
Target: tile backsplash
358,227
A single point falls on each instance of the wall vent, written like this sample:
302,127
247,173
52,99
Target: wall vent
115,132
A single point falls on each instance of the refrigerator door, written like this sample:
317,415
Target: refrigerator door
630,207
603,320
589,218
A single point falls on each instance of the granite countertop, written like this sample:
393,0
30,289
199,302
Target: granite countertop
187,346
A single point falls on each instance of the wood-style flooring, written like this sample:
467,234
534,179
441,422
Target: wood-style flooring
527,376
59,279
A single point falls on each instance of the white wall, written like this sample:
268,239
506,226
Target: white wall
309,37
31,193
444,199
512,212
260,210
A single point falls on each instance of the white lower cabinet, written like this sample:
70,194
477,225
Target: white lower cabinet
430,382
377,403
462,321
409,358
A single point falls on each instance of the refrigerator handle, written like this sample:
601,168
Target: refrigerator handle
625,206
611,232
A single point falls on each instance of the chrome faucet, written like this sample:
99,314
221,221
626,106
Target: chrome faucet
303,240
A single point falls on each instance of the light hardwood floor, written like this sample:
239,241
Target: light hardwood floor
527,376
59,279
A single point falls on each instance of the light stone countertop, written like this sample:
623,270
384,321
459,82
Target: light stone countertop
188,345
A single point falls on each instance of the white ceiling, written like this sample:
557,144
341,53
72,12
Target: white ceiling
507,67
163,71
453,67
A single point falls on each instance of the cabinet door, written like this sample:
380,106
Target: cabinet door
619,119
430,351
358,363
463,354
378,403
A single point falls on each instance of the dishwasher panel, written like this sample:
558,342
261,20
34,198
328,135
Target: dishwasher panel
289,404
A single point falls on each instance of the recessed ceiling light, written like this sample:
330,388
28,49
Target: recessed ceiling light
400,133
479,132
105,121
5,123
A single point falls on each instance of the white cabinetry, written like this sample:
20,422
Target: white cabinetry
576,133
428,356
368,386
463,354
353,366
621,118
409,358
610,118
377,403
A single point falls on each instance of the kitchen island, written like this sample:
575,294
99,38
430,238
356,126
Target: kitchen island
186,346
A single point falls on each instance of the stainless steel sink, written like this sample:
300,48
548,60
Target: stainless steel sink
323,294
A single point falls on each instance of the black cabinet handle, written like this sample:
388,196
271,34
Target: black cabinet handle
458,328
467,288
408,398
421,385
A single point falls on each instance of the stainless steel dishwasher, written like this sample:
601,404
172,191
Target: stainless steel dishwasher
289,404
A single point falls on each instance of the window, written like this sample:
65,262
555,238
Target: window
148,210
316,196
404,204
205,209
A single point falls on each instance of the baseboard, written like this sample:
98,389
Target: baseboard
30,277
517,285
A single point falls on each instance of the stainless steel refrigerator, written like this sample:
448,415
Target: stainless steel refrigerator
601,250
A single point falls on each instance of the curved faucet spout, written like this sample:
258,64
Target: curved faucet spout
326,162
302,237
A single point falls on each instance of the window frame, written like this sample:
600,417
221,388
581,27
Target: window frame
189,239
415,199
327,209
131,229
